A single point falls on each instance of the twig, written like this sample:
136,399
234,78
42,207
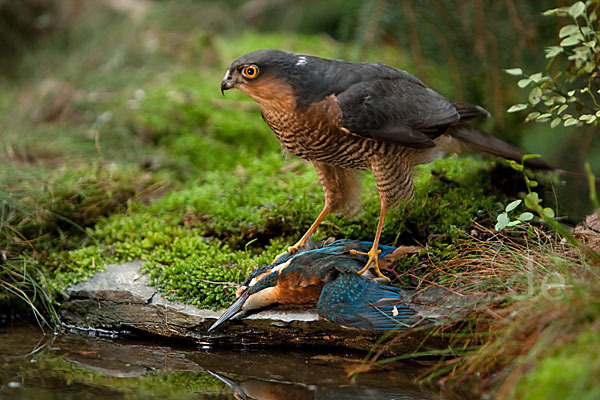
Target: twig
218,283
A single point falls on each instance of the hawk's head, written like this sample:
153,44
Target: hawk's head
267,75
293,79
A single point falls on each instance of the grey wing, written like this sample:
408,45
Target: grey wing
396,110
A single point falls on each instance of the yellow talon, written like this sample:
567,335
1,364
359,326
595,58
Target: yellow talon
372,261
291,250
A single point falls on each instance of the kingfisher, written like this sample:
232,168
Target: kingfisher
325,273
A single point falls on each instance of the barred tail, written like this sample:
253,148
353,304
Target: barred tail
480,141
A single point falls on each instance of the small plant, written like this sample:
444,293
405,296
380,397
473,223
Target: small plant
531,200
567,94
505,221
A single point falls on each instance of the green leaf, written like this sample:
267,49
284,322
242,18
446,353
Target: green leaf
526,216
512,205
532,115
532,200
548,212
513,223
530,156
553,51
559,12
517,107
549,102
515,165
514,71
562,108
536,77
523,82
589,67
535,95
570,121
503,221
532,183
569,41
544,116
555,122
581,53
568,30
577,9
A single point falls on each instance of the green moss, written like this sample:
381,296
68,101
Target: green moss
196,239
177,384
570,373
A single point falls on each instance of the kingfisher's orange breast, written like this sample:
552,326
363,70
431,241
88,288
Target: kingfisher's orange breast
298,291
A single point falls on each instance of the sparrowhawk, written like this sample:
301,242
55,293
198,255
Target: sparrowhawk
345,117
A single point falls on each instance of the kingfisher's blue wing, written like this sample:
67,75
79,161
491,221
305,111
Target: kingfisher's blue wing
355,302
333,252
318,258
317,264
344,245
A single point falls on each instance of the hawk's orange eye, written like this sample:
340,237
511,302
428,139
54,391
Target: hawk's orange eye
251,71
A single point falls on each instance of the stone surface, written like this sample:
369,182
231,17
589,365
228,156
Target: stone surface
120,299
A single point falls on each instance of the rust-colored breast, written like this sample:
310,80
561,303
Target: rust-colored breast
314,133
289,291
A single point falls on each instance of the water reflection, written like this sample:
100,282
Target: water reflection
75,366
259,389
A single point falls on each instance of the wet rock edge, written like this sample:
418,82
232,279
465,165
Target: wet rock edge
121,299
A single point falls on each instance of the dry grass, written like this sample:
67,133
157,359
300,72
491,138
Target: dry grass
530,293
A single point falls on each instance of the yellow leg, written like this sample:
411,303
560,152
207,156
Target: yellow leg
309,232
374,252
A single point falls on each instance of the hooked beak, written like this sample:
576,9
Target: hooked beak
232,311
227,83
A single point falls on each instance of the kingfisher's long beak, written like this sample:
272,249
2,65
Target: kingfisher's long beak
232,311
238,389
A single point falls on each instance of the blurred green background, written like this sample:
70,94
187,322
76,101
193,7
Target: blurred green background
66,60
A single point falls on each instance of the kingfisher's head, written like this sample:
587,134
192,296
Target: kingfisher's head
257,291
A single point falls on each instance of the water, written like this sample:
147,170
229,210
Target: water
67,366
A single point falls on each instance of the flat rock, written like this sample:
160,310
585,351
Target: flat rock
120,299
